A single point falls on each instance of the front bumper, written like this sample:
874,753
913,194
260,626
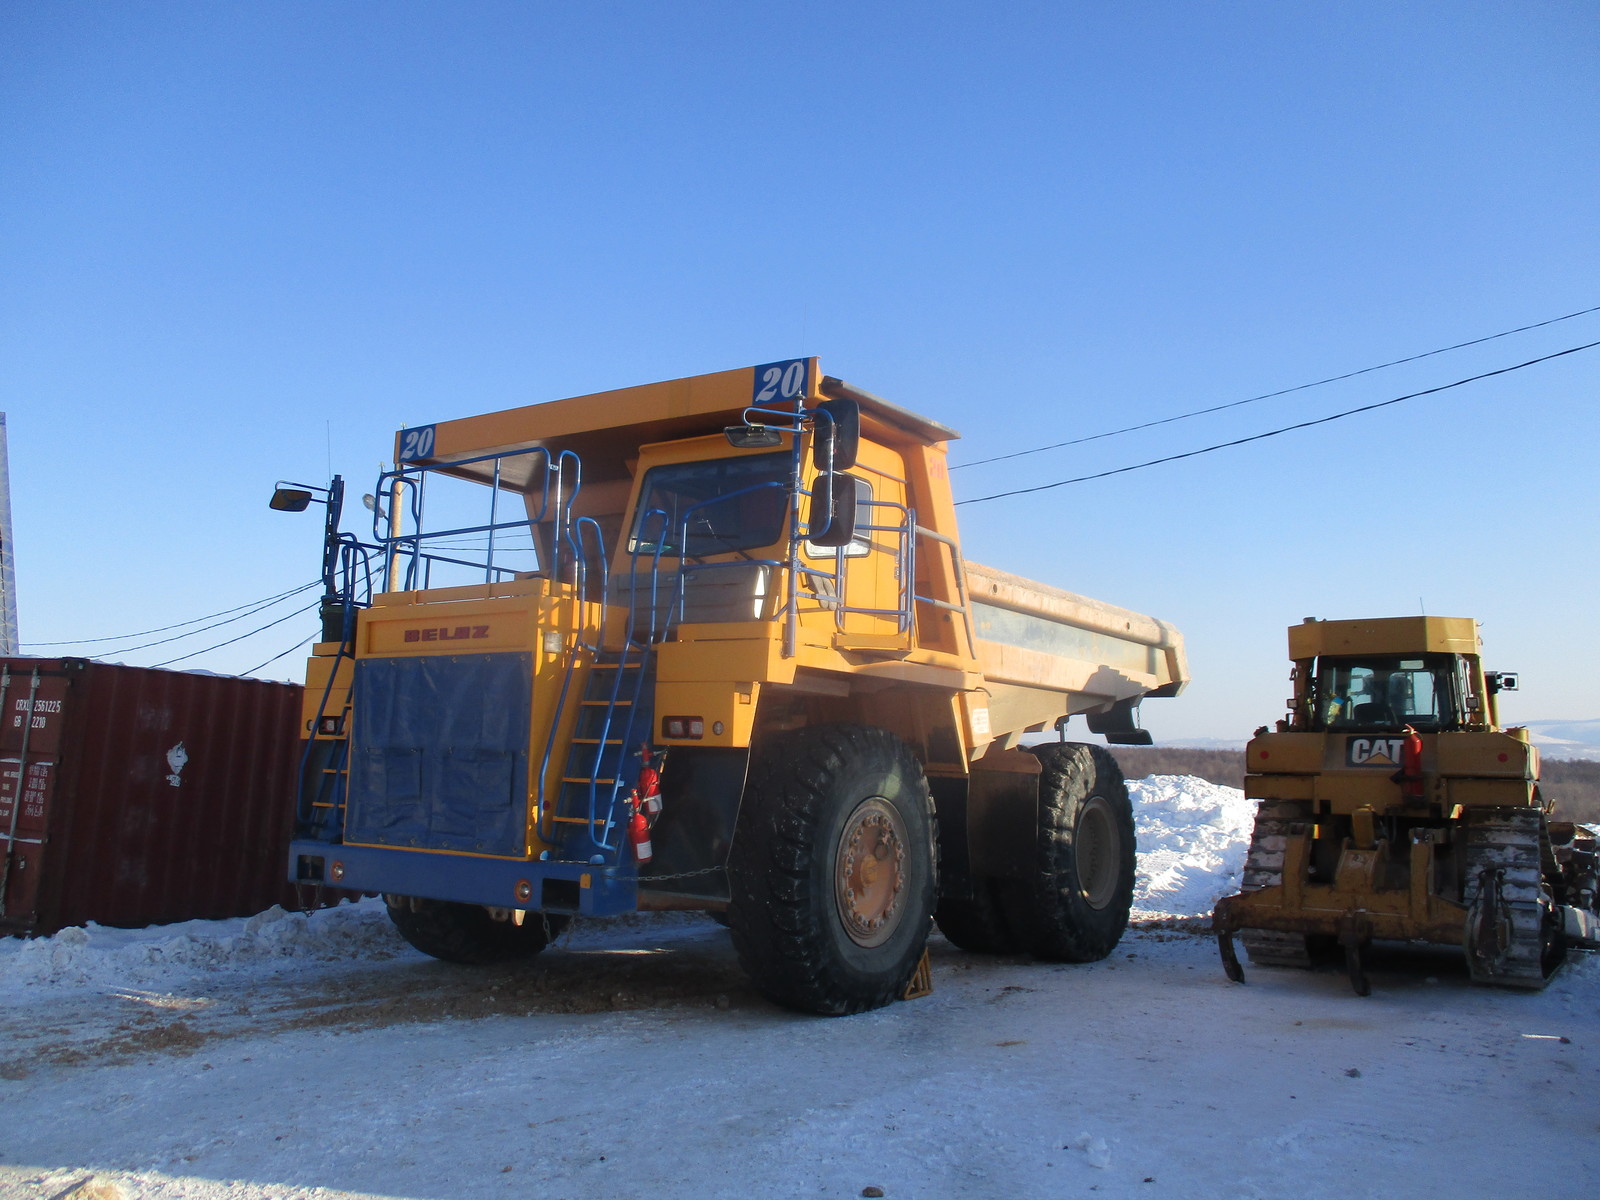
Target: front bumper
536,885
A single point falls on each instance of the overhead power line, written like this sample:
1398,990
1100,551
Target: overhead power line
1201,412
178,637
241,637
1256,437
254,605
284,654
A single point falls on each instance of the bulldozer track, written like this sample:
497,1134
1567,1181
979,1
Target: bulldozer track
1507,851
1263,867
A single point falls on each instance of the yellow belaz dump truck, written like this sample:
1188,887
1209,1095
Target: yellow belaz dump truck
1392,805
711,644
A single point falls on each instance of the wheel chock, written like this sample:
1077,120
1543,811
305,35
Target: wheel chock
921,982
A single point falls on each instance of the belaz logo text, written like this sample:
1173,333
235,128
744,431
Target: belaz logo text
1374,751
458,634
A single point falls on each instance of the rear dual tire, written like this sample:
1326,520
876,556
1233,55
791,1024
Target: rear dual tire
1072,902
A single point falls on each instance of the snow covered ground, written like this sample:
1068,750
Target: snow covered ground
296,1057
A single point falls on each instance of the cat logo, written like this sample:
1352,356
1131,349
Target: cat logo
1373,751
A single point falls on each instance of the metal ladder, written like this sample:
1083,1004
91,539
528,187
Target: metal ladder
613,719
323,811
615,715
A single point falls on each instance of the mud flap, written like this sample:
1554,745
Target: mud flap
1119,724
700,795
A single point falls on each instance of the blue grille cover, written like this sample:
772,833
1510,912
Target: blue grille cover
439,753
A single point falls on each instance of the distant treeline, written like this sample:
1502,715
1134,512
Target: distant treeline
1216,766
1574,784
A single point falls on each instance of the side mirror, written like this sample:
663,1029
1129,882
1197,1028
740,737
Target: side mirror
832,520
1501,681
836,435
290,499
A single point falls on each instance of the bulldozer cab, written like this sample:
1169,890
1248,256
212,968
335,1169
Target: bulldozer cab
1385,674
1424,691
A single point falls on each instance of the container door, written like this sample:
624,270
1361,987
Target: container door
23,826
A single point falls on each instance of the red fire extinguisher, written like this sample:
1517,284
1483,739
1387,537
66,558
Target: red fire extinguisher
1411,765
639,833
649,784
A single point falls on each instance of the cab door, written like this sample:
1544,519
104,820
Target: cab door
869,584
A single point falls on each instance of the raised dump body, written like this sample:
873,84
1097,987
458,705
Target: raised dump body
712,643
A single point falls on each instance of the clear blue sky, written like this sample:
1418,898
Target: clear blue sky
242,242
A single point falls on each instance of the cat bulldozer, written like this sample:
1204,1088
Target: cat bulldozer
1392,805
713,644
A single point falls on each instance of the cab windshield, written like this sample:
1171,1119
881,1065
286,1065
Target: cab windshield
1387,692
721,505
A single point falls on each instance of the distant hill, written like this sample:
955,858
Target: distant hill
1566,739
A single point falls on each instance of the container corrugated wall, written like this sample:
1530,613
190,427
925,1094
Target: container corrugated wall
148,796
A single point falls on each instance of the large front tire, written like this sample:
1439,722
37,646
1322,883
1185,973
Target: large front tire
1074,905
833,870
467,934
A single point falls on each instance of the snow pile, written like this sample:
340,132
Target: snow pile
1192,841
162,954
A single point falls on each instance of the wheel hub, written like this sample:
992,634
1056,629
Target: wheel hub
1097,851
870,872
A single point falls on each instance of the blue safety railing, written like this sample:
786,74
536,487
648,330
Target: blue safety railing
554,477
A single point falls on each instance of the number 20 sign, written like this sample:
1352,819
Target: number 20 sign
778,382
416,443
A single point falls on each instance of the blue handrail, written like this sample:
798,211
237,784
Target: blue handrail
559,477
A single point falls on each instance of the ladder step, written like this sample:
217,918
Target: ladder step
602,703
597,742
579,820
572,779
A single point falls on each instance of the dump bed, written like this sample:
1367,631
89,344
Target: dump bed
1042,648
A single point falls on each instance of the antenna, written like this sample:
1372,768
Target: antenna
8,574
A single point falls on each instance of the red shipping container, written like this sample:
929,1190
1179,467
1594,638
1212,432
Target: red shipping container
147,796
